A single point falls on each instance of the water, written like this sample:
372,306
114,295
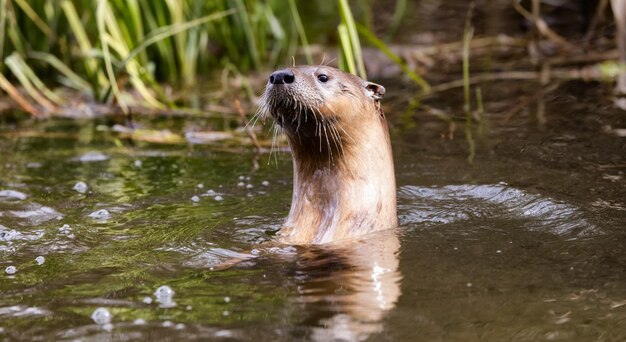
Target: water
107,239
517,246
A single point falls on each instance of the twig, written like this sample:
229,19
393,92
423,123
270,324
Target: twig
541,26
619,11
247,127
17,97
597,18
524,103
584,73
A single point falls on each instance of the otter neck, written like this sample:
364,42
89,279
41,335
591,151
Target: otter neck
344,189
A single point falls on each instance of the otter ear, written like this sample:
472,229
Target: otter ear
376,91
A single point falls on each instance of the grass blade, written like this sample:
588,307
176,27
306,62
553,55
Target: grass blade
100,14
301,33
17,97
13,63
348,56
76,81
348,21
35,18
387,51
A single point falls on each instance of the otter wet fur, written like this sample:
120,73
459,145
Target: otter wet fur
344,182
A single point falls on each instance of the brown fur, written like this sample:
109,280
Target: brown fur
344,183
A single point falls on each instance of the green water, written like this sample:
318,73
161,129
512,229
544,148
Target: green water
527,243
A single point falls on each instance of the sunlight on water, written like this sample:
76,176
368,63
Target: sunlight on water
165,241
453,203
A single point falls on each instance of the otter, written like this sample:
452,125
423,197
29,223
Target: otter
344,182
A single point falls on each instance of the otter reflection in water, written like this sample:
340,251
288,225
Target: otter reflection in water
344,196
348,287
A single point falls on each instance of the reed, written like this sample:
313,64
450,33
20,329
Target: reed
106,46
110,49
468,34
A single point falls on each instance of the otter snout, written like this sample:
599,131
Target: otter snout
284,76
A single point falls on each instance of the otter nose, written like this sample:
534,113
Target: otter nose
282,77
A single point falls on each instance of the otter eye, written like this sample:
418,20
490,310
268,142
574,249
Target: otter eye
323,78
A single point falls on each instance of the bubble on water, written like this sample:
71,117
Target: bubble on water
218,198
211,192
12,194
137,163
265,183
35,213
65,229
93,156
255,251
223,333
101,215
200,186
8,235
164,291
242,177
469,285
227,299
139,321
80,187
289,250
241,184
179,326
498,251
248,178
249,186
195,199
147,300
225,313
167,324
164,295
34,165
101,316
40,260
189,307
10,269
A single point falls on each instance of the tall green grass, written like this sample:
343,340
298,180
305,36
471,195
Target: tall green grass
106,47
103,46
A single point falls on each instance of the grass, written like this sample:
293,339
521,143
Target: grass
121,52
467,100
106,47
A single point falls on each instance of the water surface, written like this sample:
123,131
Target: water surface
526,243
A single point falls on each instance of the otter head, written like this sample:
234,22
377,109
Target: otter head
320,106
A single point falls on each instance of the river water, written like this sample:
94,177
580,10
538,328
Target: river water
103,238
525,243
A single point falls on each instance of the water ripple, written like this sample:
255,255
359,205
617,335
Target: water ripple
453,203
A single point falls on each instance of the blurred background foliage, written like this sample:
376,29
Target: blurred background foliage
132,53
102,47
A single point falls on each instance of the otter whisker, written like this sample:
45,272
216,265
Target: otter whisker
274,129
330,150
342,129
336,137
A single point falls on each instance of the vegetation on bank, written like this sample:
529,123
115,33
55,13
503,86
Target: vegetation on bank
122,51
130,54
